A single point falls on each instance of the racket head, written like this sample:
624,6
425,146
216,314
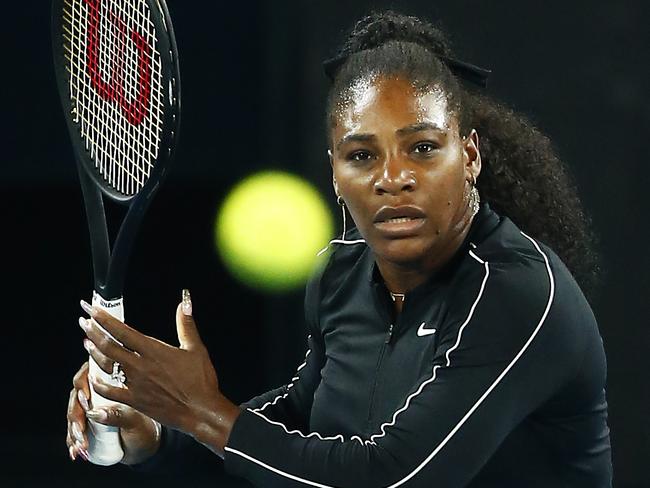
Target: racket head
118,76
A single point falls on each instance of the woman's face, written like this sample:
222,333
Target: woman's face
402,169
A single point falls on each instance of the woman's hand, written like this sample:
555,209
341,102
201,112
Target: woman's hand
177,386
139,435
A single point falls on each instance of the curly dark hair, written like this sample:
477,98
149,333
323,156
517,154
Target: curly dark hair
522,176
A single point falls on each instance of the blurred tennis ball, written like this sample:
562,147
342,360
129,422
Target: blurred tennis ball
270,228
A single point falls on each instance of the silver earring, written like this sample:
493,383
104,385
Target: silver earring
341,203
342,240
474,197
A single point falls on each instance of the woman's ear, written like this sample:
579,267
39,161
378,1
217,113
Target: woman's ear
473,154
335,185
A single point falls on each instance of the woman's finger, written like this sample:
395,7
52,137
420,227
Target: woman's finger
107,345
120,416
76,438
75,451
70,445
117,394
76,419
83,400
80,380
128,336
100,358
80,383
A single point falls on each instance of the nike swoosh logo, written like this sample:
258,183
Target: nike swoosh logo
422,331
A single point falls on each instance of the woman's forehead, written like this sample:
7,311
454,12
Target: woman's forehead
394,100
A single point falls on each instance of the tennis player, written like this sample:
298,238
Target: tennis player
449,343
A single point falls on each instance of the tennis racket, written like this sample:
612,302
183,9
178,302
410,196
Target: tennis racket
117,71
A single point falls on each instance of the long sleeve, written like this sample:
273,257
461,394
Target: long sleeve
290,405
509,349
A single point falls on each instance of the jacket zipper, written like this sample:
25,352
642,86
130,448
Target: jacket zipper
389,336
383,304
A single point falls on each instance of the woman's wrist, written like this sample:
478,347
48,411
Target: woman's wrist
147,450
211,426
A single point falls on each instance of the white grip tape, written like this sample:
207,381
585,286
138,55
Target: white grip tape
104,445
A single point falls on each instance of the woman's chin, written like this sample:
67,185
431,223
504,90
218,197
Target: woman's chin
404,252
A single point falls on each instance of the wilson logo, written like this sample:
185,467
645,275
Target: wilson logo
105,304
119,45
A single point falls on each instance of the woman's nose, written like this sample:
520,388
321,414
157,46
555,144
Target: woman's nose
394,177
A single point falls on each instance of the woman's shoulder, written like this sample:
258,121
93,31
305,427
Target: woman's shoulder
522,276
344,259
340,263
510,251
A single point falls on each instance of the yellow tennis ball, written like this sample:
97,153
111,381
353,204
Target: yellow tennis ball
270,228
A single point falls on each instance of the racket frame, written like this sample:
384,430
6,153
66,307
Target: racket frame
110,266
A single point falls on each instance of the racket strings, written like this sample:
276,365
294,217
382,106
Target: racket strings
115,87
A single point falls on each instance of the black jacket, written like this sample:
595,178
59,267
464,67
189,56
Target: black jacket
492,376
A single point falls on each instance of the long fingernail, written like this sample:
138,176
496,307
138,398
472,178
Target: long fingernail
89,309
186,307
88,345
83,323
83,400
98,415
84,454
71,451
76,432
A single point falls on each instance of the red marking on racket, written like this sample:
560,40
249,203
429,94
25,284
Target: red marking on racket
134,111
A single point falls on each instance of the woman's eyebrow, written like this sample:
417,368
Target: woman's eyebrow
410,129
355,137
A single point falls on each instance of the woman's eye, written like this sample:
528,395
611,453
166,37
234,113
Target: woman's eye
360,156
424,147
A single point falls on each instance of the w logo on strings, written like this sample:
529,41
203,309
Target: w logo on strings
131,88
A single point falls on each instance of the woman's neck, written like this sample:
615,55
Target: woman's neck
400,278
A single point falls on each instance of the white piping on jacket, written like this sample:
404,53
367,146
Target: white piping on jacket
257,411
289,386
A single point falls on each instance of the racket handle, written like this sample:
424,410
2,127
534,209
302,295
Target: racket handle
104,447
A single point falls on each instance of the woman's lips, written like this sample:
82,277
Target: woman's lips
403,221
400,227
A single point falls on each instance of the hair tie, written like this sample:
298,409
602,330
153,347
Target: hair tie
461,69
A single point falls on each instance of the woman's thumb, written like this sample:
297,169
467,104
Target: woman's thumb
120,416
188,335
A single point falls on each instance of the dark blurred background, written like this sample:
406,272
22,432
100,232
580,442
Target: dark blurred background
253,99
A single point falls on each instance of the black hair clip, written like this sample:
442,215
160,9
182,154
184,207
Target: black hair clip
467,71
332,65
461,69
